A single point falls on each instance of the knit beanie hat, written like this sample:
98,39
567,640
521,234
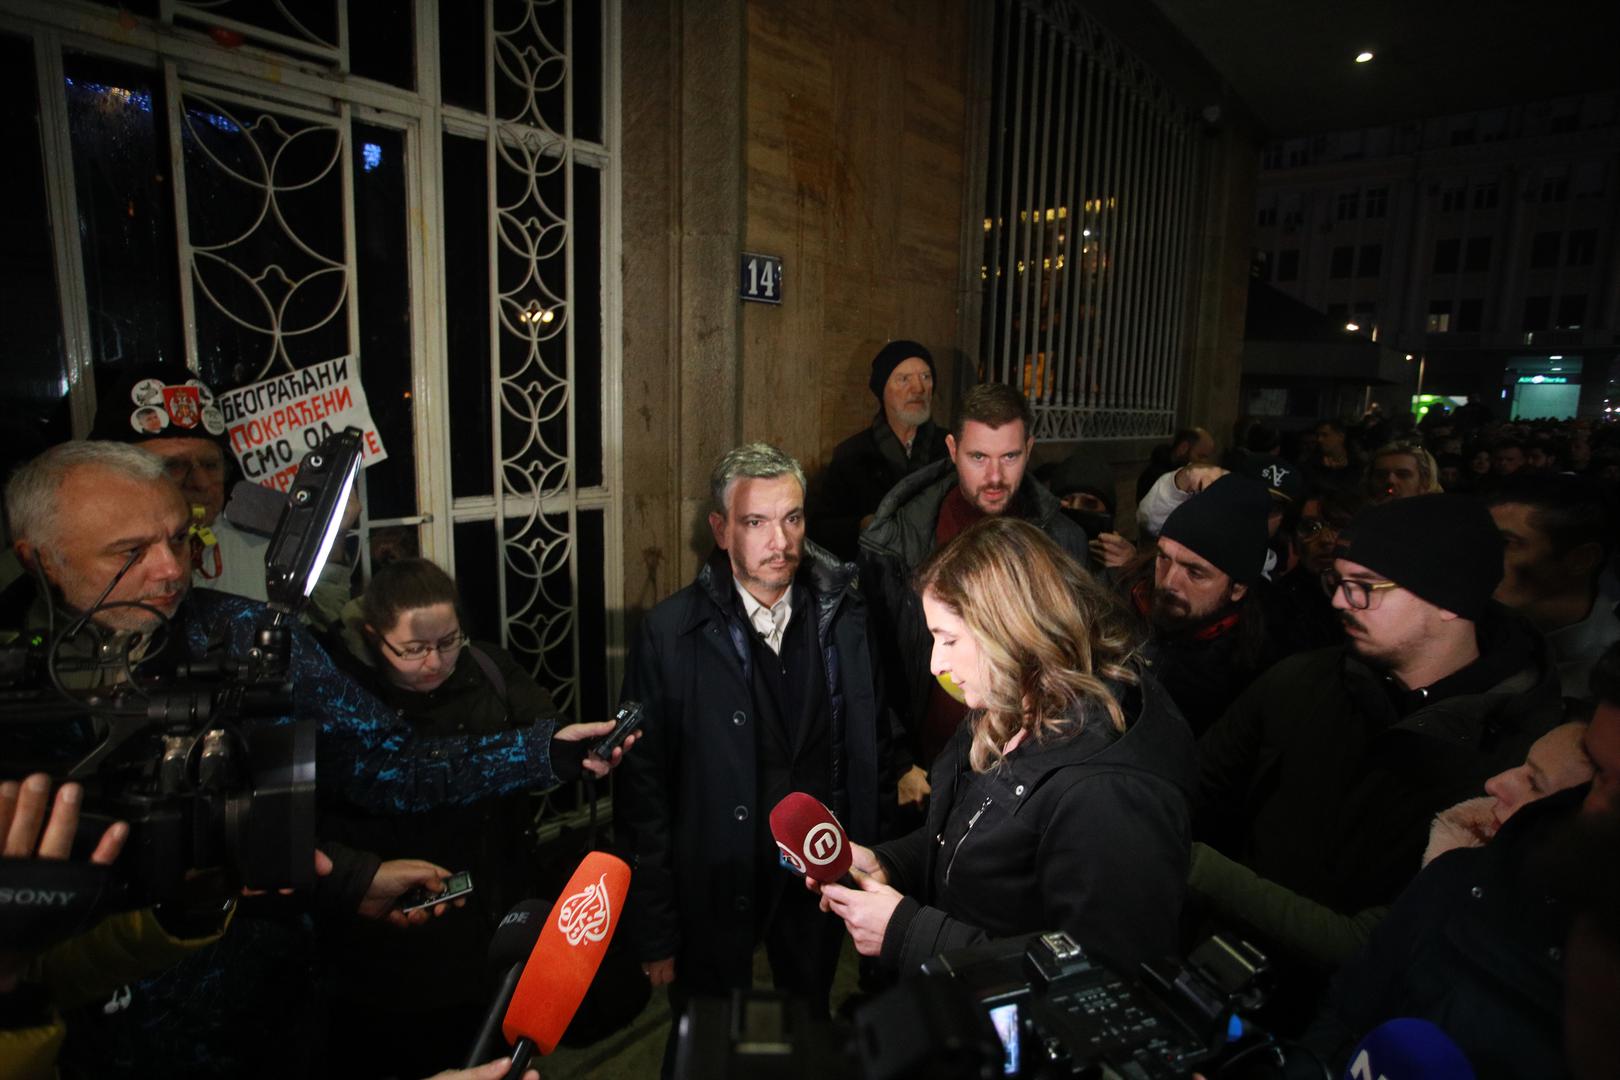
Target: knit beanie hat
152,402
1225,524
1442,548
892,356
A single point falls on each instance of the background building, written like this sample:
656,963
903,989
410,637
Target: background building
1483,244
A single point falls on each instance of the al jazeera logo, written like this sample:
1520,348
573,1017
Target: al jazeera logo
586,915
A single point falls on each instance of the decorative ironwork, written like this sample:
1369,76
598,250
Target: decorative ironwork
260,187
532,66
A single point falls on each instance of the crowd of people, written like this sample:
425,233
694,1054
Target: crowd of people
1341,694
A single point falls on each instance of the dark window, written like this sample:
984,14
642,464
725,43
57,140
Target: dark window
1343,260
1439,321
1477,254
1555,186
1372,258
1453,198
1582,247
461,56
382,47
1589,183
1261,267
1571,312
1537,310
1288,265
1272,158
1349,203
1338,313
1266,216
466,305
1486,196
1446,251
34,408
1377,204
1544,250
1468,315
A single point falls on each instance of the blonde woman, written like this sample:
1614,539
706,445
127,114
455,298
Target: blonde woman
1061,802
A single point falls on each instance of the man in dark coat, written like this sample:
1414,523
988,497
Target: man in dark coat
989,449
757,680
901,439
1323,777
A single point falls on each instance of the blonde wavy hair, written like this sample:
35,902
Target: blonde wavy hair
1050,636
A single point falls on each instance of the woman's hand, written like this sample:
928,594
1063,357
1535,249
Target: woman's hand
866,911
866,861
913,787
592,764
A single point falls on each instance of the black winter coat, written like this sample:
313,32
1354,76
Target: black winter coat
686,806
900,537
1314,780
1089,834
864,467
1474,946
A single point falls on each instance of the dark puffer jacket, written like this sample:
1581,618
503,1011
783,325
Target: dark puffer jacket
900,537
1316,781
1087,834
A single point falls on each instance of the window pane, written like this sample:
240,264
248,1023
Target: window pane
382,42
466,278
589,548
117,122
34,408
477,563
587,60
461,55
587,322
384,298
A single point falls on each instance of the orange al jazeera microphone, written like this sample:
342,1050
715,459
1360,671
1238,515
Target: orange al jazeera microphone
565,958
811,840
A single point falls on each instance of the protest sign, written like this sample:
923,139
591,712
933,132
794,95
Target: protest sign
273,423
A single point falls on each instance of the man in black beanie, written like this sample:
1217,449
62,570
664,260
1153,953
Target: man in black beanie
901,439
1207,633
1317,787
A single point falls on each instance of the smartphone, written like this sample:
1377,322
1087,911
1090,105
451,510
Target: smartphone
626,721
454,886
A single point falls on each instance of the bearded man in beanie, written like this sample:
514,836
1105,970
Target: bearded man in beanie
1317,787
901,439
1198,593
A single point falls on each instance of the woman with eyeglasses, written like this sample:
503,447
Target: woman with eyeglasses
411,1001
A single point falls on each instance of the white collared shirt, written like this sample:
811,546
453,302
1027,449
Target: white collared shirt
771,622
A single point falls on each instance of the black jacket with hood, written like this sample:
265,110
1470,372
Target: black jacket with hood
897,541
1087,834
862,470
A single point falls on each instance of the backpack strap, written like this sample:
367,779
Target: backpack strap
491,671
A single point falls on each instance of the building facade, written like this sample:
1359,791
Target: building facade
1484,245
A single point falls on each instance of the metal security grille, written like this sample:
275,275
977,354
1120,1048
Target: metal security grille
1088,227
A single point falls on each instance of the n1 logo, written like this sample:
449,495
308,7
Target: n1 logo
761,278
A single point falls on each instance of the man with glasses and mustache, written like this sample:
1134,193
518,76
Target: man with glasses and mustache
1323,777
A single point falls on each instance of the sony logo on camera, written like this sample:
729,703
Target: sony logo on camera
37,897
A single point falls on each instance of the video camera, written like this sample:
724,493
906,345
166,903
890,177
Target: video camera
200,756
1020,1008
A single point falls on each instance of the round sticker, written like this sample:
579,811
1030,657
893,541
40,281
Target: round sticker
148,420
213,420
205,395
148,392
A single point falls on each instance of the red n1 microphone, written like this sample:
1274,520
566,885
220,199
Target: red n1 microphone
565,958
811,839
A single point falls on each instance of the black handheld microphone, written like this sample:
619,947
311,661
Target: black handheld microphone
509,950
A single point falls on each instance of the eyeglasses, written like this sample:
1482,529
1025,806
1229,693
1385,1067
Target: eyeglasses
1357,594
418,650
1309,527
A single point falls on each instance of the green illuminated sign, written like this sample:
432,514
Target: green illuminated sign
1542,379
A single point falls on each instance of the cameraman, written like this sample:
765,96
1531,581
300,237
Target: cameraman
1061,802
84,966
